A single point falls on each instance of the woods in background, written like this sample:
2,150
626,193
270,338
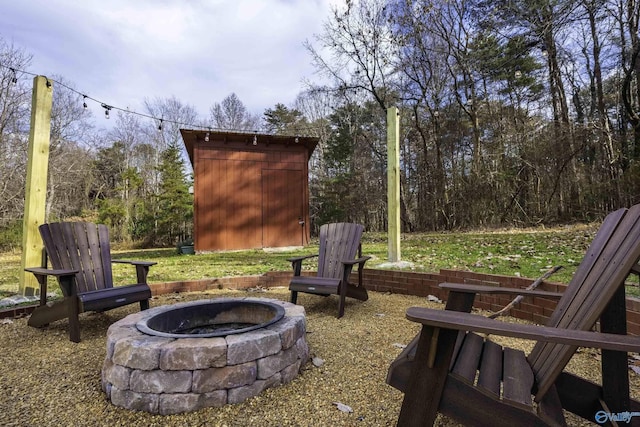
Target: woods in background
512,112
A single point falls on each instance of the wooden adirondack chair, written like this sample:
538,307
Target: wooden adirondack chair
449,368
81,259
339,243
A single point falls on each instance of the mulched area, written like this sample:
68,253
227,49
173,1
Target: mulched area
46,380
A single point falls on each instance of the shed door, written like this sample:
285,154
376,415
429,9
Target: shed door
282,193
228,199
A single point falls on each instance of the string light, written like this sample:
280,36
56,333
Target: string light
160,126
206,137
108,108
191,126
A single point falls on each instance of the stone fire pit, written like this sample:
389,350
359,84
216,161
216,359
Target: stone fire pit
168,375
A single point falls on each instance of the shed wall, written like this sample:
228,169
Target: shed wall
250,197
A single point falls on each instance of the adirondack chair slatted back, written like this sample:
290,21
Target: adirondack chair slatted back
83,246
607,263
338,242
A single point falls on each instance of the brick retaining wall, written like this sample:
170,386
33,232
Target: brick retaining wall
535,309
402,282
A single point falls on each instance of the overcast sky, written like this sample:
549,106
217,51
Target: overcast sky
123,51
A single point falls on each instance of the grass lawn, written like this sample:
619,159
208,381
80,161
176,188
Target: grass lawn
522,252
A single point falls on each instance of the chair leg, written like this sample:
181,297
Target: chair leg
74,321
294,297
144,304
341,306
426,385
615,376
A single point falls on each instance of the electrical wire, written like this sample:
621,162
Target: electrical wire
161,121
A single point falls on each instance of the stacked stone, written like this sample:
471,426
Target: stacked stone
168,375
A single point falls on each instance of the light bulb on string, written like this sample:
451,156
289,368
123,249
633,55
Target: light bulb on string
106,110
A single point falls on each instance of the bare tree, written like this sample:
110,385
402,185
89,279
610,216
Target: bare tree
232,115
14,127
70,165
359,40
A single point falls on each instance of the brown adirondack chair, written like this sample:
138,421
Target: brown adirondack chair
81,259
339,243
449,368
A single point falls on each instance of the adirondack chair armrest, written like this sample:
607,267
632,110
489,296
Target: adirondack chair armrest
41,271
348,266
296,263
142,268
360,261
485,289
65,280
301,258
132,262
455,320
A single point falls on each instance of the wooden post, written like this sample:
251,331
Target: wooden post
36,183
393,182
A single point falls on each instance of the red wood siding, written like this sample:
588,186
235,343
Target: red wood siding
282,207
250,196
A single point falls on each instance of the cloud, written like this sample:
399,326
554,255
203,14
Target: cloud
122,51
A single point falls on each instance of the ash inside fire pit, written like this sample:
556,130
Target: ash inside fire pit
211,319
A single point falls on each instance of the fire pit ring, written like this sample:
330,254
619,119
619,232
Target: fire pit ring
163,374
211,318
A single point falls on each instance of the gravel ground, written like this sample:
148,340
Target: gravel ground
46,380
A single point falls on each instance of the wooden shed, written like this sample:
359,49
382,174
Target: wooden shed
250,190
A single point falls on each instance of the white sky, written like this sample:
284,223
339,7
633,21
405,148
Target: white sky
200,51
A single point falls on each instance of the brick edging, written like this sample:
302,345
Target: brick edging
17,312
535,309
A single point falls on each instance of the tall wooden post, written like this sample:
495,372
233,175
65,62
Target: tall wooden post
36,184
393,182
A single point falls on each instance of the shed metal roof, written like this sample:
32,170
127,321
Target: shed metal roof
193,137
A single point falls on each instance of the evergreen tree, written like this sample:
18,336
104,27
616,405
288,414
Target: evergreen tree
115,189
283,120
175,203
